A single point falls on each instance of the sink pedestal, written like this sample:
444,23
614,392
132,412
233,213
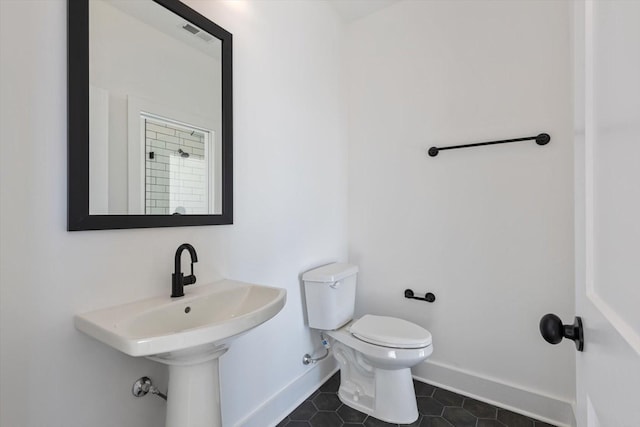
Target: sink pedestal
193,395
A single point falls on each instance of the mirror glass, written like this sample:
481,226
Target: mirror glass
154,77
155,101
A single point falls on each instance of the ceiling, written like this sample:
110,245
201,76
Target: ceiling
350,10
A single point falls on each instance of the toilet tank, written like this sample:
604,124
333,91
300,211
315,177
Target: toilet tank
330,295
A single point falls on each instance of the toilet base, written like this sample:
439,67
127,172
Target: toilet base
389,404
385,394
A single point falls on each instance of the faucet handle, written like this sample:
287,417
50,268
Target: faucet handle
190,279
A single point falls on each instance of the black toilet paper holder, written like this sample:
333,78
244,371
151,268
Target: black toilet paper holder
428,297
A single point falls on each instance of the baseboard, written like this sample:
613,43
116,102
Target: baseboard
545,408
271,412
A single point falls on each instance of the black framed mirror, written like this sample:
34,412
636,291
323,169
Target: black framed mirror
150,118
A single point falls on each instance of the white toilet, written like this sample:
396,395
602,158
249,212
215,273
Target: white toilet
375,353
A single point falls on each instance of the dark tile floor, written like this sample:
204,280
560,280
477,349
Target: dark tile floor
437,407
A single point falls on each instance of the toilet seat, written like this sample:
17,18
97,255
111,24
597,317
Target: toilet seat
390,332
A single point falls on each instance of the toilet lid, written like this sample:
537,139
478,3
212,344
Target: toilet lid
390,332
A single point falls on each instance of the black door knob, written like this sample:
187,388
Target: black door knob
553,330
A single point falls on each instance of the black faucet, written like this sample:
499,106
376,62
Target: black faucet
178,280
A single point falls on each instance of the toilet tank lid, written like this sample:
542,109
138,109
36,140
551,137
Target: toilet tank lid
330,272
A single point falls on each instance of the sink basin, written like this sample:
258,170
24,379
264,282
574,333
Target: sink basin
207,314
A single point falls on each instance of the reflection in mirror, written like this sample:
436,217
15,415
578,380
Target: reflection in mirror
155,112
150,116
178,175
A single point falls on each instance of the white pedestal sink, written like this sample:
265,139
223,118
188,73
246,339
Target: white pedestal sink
188,334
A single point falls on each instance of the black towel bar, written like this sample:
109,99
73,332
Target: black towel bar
541,139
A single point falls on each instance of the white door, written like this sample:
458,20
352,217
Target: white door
607,113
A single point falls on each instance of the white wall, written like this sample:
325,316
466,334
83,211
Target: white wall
290,215
488,230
